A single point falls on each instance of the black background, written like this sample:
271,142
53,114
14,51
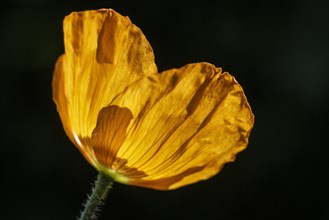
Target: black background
277,50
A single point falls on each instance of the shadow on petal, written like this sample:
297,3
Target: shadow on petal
167,182
109,134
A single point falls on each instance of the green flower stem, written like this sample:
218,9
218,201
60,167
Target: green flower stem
100,190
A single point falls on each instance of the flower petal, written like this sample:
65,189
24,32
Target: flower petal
187,123
104,53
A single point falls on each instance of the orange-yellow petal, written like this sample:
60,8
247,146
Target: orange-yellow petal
187,123
104,53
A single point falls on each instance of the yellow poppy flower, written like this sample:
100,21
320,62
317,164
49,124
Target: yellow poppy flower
144,128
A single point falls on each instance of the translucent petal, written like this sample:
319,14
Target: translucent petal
104,53
186,124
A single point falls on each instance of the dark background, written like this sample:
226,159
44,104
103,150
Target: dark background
277,50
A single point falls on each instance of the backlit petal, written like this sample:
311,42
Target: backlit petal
187,123
104,53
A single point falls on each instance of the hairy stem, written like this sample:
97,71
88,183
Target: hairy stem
99,192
